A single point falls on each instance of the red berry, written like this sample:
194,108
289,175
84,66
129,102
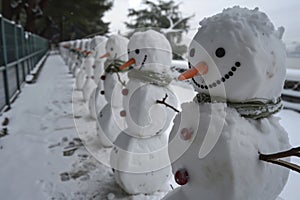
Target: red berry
103,77
186,134
125,92
181,177
123,113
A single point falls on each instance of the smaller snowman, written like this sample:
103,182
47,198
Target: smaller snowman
73,56
95,105
86,68
79,57
237,66
112,82
139,158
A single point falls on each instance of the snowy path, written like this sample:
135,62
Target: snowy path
41,128
32,160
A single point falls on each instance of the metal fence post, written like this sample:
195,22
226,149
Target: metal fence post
5,77
17,57
23,53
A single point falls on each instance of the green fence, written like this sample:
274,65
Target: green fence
20,51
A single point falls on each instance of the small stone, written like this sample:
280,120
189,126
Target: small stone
102,92
5,121
64,176
103,77
123,113
64,139
186,134
181,177
110,196
125,92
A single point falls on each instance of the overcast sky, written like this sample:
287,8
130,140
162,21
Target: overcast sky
281,12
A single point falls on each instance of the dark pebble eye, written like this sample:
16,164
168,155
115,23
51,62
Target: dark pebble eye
192,52
137,51
128,51
111,49
220,52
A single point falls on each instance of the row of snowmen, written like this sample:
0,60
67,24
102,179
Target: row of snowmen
235,60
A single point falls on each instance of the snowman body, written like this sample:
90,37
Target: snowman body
73,58
109,125
81,76
89,84
139,158
96,104
248,66
231,171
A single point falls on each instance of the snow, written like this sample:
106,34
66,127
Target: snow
40,121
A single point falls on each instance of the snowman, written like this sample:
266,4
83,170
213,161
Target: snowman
237,66
79,58
139,158
73,57
86,68
98,44
112,81
89,84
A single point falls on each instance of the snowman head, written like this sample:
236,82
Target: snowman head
239,50
116,48
149,51
98,44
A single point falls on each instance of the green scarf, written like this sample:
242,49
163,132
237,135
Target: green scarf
155,78
256,109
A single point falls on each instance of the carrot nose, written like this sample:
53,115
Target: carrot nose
105,55
127,64
200,68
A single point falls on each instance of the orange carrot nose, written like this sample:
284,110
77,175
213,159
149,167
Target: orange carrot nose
201,68
127,64
105,55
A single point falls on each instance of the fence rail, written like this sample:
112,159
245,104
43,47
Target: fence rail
20,51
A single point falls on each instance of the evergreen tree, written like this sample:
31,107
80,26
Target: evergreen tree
165,17
58,19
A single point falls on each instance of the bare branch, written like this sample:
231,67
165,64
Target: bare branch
163,101
274,158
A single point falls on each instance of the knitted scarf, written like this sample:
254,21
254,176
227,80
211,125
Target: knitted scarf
155,78
254,109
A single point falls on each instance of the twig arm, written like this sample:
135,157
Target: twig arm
163,101
274,158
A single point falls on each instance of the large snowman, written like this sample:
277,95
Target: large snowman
139,158
109,125
237,64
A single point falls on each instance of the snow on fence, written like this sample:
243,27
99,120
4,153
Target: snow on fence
20,51
291,92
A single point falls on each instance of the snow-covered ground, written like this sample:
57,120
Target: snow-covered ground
42,156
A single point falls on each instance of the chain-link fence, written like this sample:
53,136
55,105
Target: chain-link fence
20,51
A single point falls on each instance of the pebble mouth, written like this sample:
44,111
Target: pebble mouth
219,81
143,63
